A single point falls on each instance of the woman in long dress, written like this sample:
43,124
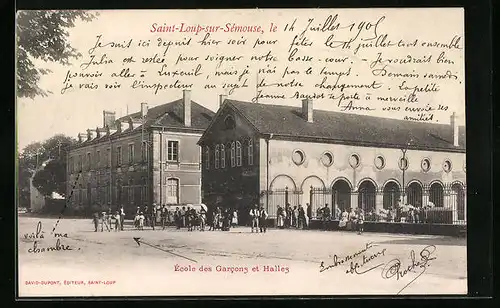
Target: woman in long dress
281,217
343,219
234,221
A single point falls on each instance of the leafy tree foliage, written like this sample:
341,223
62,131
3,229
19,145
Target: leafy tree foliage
53,152
43,35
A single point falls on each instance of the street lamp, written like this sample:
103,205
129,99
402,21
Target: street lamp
403,165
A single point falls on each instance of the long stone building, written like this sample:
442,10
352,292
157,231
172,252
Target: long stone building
273,155
147,157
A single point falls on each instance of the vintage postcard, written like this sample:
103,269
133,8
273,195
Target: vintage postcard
241,152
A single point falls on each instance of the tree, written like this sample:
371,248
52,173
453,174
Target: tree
50,179
43,35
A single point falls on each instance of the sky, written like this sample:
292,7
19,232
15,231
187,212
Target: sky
76,111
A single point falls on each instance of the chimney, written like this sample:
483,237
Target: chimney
454,127
186,107
307,110
91,134
144,110
81,137
222,98
108,118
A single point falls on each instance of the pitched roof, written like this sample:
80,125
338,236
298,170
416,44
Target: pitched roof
170,115
347,127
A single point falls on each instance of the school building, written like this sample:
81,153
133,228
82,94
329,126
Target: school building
147,157
273,155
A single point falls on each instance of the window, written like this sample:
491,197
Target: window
426,164
233,154
131,191
250,152
119,156
216,159
131,153
172,191
70,165
98,159
89,161
379,162
108,157
354,160
172,150
207,158
143,191
447,166
238,153
327,159
222,156
80,162
144,151
229,122
298,157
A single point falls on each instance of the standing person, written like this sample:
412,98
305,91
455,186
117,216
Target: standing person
326,216
308,212
352,219
288,212
295,216
280,217
163,215
254,215
183,217
337,212
145,211
234,221
203,218
95,220
141,221
122,217
187,215
118,221
361,221
301,218
263,219
177,217
152,215
105,222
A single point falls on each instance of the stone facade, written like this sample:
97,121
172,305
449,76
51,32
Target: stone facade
295,169
139,159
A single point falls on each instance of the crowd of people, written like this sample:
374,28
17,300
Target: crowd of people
187,217
221,218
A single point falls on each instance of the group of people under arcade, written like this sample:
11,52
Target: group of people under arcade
223,218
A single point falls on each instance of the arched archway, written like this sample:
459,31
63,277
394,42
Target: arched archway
391,194
281,181
341,194
458,200
366,195
282,191
310,199
436,194
414,194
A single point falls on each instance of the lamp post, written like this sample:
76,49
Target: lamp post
403,164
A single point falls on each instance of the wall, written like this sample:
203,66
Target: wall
232,186
186,170
105,182
284,172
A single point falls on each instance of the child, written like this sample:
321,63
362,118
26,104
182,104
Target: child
361,219
105,222
141,221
